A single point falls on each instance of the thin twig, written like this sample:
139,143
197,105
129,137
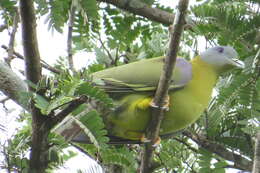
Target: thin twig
3,27
69,41
117,56
256,165
3,102
70,108
190,166
2,127
206,121
43,63
240,162
186,144
107,51
7,159
10,50
152,131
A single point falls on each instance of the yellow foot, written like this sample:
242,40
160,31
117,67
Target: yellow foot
157,142
146,140
165,106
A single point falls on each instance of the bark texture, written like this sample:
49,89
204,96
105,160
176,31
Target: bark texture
69,40
239,161
43,63
39,147
12,85
256,166
139,8
152,132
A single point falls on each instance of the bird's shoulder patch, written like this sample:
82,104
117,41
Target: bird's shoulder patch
182,73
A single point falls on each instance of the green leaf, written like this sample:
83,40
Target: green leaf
87,89
121,156
93,126
218,170
90,7
42,7
95,67
8,5
58,14
31,84
205,170
41,103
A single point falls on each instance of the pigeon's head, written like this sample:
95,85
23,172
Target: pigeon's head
222,57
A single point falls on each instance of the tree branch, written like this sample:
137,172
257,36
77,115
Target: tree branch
70,108
239,161
186,144
139,8
39,158
12,85
256,166
30,42
152,131
12,37
69,41
106,50
2,101
43,63
3,27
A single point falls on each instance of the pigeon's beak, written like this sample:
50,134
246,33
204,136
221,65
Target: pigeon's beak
237,63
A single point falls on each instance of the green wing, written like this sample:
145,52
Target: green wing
141,76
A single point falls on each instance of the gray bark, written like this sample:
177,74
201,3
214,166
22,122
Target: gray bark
160,98
12,85
256,166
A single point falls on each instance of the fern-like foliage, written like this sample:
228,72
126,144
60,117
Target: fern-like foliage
7,11
88,89
93,126
232,116
120,156
219,20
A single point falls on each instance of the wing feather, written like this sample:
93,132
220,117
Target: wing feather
142,76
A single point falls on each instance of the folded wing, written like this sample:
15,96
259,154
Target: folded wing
142,76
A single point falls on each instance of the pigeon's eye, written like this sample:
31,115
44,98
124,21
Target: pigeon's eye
220,49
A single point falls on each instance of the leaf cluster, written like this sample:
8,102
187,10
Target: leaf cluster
118,37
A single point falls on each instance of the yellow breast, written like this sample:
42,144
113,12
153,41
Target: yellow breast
188,104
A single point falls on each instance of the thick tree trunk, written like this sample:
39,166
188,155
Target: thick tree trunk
39,147
39,150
